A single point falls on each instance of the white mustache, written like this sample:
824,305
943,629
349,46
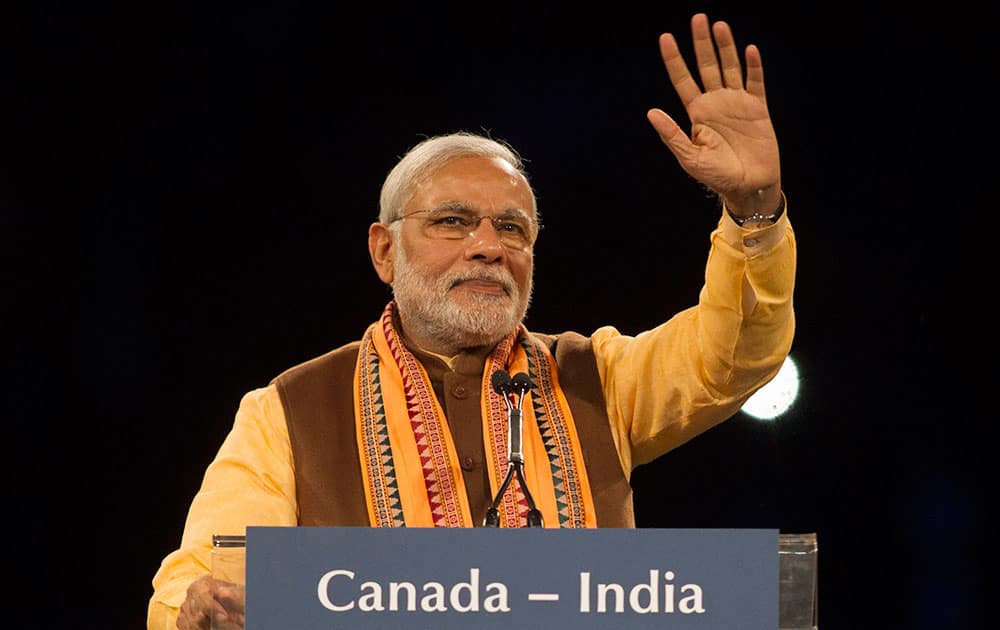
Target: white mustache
499,276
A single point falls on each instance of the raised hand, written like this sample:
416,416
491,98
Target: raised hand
732,148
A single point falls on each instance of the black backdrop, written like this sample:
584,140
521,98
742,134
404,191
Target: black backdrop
185,211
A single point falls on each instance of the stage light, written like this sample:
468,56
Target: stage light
777,396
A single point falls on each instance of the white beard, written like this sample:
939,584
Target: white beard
428,310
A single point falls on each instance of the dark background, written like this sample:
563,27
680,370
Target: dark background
184,216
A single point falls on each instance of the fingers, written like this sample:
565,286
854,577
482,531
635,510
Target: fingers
685,85
209,599
196,611
231,597
226,619
704,53
715,71
732,74
755,72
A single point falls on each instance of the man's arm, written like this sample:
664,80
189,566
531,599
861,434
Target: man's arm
669,384
250,482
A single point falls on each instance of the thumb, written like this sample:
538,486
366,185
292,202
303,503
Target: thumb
672,136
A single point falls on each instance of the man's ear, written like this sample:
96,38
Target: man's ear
382,248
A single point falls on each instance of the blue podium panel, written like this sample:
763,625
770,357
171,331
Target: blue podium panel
322,578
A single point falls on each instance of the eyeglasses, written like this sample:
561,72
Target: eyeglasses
514,229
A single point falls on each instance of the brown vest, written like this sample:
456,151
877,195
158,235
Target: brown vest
318,399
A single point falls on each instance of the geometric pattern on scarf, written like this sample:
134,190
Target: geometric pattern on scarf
547,422
549,414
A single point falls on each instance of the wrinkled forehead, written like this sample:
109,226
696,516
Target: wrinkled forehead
485,184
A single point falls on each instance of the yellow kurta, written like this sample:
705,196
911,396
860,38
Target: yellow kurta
662,387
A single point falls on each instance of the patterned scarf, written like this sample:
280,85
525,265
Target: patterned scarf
409,463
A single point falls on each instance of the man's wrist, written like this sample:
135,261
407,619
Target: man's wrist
758,218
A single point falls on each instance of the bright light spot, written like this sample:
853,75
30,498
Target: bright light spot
774,399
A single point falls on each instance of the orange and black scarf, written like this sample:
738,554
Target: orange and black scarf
409,464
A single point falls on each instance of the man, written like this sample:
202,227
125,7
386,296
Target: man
455,240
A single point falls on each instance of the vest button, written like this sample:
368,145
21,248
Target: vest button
468,463
460,391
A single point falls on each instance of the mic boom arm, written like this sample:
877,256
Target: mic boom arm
504,385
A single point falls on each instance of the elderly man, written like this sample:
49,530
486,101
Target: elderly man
403,426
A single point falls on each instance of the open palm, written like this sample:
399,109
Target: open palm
732,148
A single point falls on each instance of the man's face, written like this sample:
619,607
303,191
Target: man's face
468,292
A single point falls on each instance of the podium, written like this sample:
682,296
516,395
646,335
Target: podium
325,577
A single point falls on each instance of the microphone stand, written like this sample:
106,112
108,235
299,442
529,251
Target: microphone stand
505,386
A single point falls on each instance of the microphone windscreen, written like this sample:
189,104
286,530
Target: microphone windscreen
501,382
521,382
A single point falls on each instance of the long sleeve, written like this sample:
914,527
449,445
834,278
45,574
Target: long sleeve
251,481
666,385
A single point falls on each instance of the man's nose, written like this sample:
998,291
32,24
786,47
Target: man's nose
484,241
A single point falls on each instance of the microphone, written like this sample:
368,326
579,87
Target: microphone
504,385
521,382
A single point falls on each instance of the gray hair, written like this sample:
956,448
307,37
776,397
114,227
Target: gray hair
431,154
